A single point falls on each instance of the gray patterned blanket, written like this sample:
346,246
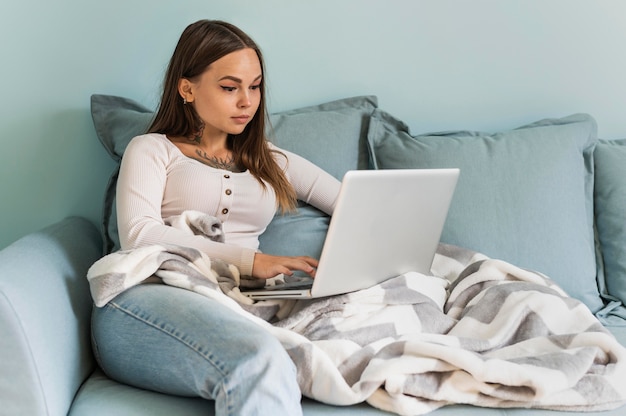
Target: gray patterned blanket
478,331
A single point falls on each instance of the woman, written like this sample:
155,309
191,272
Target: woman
206,151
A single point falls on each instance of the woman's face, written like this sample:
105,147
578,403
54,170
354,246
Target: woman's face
227,95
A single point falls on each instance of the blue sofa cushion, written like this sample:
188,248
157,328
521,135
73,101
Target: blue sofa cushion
524,195
332,135
610,210
116,120
101,396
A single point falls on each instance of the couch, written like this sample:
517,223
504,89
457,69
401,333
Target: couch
548,196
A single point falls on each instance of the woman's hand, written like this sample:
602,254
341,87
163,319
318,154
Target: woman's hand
266,266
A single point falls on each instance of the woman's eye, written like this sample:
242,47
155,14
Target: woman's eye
255,87
229,89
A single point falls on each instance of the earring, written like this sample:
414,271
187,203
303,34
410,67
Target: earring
184,101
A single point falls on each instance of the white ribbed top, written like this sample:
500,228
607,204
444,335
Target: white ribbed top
157,181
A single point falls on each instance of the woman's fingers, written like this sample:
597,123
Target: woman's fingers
266,266
305,264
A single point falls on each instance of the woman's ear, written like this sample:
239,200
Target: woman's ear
185,90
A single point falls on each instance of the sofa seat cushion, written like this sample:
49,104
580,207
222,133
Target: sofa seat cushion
524,195
101,396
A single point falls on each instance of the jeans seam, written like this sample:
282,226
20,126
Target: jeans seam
206,357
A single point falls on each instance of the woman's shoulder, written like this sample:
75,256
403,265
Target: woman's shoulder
150,141
151,145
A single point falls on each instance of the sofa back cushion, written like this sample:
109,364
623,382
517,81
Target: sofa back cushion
523,196
610,210
332,135
116,120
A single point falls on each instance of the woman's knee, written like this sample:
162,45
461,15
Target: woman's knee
262,351
197,347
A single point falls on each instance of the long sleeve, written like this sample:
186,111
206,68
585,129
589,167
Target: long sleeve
313,185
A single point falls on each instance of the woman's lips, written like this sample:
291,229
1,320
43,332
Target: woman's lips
243,119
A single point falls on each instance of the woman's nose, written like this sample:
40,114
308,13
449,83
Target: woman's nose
244,99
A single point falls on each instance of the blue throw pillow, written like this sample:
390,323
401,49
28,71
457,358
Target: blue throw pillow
524,196
333,136
610,209
116,120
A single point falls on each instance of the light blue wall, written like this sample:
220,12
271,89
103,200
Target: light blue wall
436,64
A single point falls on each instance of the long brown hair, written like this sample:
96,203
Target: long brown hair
201,44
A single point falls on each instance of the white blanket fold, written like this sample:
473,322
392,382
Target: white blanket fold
498,336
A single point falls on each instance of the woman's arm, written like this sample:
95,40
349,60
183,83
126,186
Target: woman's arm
313,185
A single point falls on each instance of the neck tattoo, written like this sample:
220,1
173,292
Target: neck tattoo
197,137
224,163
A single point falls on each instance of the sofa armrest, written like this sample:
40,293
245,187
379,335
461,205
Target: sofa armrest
45,309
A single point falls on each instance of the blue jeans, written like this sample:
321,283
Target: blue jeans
178,342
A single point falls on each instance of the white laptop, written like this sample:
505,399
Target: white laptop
386,223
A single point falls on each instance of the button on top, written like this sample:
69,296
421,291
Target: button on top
227,176
225,211
228,192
